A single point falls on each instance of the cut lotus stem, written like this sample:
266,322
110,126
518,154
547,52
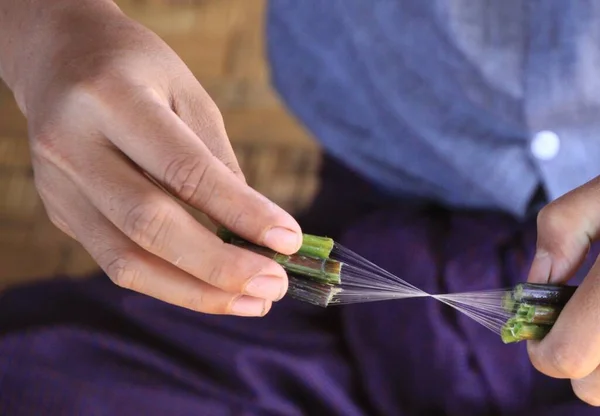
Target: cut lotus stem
321,270
535,308
225,235
515,331
543,293
306,290
538,314
509,304
312,245
315,246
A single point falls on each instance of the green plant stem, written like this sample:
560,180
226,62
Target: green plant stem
225,235
515,331
508,302
315,246
322,270
312,245
538,314
545,294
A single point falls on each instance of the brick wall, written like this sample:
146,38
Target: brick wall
222,42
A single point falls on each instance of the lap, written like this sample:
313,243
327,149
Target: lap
88,347
91,347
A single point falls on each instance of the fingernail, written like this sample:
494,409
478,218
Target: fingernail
266,287
248,306
541,267
282,239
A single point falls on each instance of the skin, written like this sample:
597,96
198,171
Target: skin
566,229
119,128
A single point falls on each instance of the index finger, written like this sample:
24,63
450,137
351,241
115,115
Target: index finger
158,141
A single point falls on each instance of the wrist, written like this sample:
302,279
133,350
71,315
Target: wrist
34,34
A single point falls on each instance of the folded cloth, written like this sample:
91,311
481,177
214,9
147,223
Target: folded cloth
87,347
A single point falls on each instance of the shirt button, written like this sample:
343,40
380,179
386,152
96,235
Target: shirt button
545,145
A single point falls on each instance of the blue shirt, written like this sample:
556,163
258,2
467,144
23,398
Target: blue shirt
469,103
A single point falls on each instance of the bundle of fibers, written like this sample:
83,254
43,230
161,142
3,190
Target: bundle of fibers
324,273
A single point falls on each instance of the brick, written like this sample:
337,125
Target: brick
245,61
284,174
78,262
293,193
231,94
14,233
14,153
18,197
257,94
268,126
225,93
43,232
243,157
297,162
26,265
205,55
160,19
215,37
12,121
277,159
247,50
167,17
221,16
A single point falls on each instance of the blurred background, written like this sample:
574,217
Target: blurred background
222,43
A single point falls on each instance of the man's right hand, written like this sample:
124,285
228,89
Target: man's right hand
118,125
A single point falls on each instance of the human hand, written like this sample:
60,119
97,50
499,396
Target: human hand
114,117
566,229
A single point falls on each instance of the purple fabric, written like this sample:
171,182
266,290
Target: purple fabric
90,348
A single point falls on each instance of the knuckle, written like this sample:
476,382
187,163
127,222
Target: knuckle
48,149
60,224
196,302
45,145
237,219
212,116
54,217
235,169
549,218
92,86
190,179
255,216
568,362
101,82
91,75
209,117
121,269
149,225
40,182
215,274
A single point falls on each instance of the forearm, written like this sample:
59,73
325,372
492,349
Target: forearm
31,32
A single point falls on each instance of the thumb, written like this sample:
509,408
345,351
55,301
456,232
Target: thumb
566,228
